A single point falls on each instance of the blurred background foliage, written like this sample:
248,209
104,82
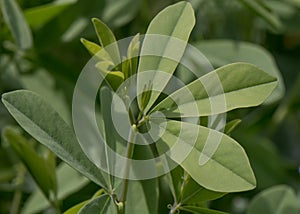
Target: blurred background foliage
40,50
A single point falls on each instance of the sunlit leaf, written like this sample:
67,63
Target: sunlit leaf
171,29
233,86
225,169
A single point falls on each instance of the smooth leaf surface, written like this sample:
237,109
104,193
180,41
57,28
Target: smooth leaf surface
107,39
46,126
75,209
279,199
113,78
175,23
237,85
38,167
129,66
226,169
142,197
68,181
243,52
15,20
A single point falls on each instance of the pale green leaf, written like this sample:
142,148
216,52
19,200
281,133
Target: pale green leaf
15,20
129,66
166,38
243,52
277,199
46,126
233,86
225,168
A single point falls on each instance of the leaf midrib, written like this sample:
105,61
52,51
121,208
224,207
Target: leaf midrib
233,172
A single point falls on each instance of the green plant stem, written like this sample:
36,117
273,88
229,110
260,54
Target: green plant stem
129,154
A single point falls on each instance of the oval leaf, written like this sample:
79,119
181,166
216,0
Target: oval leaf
227,169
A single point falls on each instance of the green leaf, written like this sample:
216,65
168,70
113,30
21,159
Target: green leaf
15,20
233,86
40,169
113,78
40,15
107,40
279,199
260,8
243,52
171,29
75,209
224,166
47,127
92,47
101,205
142,197
129,66
200,210
68,181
